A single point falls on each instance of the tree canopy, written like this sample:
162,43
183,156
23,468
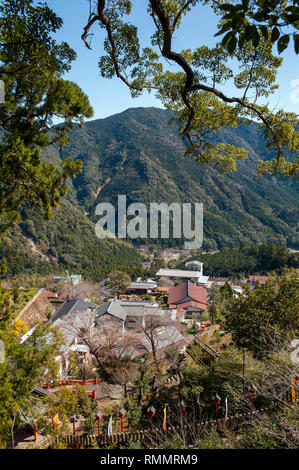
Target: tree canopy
251,21
268,316
193,89
31,67
25,366
118,282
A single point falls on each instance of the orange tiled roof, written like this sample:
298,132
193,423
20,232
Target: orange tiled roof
260,279
187,290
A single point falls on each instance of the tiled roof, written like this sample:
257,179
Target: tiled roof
121,310
142,285
260,279
65,295
113,308
49,294
164,337
188,290
70,307
178,273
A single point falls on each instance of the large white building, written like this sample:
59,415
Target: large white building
183,275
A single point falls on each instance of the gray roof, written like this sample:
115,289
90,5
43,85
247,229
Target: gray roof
143,285
122,309
70,307
141,311
138,303
112,308
164,336
194,263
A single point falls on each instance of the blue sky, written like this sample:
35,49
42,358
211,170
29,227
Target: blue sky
111,96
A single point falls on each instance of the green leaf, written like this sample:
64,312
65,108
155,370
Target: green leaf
255,36
225,28
242,39
283,43
264,31
227,7
231,45
296,43
260,3
259,16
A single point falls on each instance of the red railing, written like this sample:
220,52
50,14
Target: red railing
63,383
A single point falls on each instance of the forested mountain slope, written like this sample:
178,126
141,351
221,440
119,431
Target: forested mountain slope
137,153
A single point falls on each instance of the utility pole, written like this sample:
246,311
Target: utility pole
213,305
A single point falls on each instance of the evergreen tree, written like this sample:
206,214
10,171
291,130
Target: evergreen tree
31,66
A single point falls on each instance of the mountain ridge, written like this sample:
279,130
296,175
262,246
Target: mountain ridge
139,154
142,156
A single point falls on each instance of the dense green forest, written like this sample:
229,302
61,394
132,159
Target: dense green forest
242,260
67,241
139,154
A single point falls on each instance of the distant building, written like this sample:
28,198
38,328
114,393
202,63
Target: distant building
217,281
195,266
253,280
164,338
189,299
182,275
75,279
71,307
128,315
50,295
73,315
141,287
66,295
237,291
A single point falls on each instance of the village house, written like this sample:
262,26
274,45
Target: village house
75,279
136,317
141,287
237,291
49,294
124,316
253,280
129,315
70,317
70,307
189,299
182,275
164,337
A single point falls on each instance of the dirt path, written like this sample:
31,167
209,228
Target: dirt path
102,187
